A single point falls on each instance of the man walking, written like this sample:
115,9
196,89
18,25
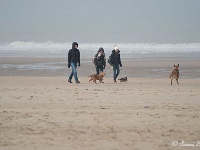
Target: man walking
73,61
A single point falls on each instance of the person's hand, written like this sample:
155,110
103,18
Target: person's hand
68,65
111,67
79,64
104,67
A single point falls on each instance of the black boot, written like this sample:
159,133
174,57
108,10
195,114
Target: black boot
69,80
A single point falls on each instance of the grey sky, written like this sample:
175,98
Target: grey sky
158,21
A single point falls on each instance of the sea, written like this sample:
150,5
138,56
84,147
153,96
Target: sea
88,50
129,51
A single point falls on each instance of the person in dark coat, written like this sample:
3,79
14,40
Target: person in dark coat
100,60
73,61
115,62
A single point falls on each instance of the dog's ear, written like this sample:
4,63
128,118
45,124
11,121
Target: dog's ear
174,66
178,65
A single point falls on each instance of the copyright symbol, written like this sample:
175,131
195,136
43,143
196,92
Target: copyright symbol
175,143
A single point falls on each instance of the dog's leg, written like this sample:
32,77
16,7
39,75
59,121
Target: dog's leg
177,81
171,80
95,81
101,81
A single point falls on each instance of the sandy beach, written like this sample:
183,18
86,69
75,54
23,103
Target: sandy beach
41,110
47,113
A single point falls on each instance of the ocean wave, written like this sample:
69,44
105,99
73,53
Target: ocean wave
21,45
56,47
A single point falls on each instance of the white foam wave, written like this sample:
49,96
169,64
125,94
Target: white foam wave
56,47
21,45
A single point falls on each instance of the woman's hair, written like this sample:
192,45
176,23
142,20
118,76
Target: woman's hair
100,49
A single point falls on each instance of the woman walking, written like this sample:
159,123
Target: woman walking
115,61
100,60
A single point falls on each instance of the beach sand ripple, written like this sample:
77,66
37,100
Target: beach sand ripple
48,113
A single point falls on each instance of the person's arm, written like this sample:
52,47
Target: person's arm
120,63
104,62
98,56
69,58
79,58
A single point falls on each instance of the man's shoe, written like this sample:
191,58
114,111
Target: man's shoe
77,82
69,81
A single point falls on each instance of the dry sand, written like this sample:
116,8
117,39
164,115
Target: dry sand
47,113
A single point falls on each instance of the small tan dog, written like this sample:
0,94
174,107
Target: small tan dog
175,74
95,77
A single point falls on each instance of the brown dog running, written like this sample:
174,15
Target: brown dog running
175,74
95,77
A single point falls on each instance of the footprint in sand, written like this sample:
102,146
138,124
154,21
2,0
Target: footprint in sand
27,116
19,97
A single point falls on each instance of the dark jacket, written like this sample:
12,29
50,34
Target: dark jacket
115,58
100,60
74,54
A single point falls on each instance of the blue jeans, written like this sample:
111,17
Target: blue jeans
116,71
99,68
74,71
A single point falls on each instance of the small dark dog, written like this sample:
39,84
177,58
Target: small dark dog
123,79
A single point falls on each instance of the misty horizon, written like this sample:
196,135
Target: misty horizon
89,21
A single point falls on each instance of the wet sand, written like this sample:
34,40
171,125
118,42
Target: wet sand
132,68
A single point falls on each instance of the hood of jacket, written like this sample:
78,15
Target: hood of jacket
74,44
101,49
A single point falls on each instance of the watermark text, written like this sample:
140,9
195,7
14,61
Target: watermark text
185,144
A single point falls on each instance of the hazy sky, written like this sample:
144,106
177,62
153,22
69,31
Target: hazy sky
157,21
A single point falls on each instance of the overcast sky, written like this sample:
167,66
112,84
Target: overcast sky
135,21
